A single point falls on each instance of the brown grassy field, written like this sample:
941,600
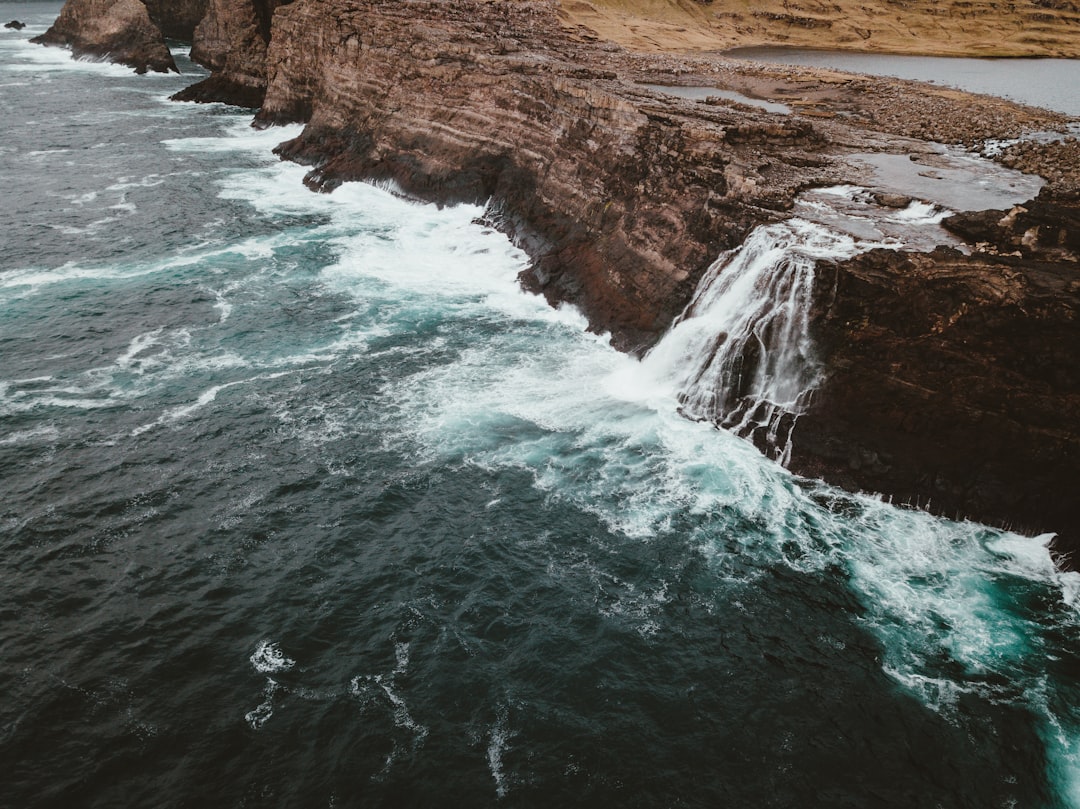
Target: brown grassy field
930,27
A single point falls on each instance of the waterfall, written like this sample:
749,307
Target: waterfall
740,354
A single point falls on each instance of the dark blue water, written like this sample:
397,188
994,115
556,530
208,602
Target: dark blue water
304,503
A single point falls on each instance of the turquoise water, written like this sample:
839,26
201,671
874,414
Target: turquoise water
306,503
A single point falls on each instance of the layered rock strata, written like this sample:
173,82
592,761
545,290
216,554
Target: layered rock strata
621,195
118,30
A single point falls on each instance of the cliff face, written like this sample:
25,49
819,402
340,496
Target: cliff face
621,197
232,40
176,19
120,30
952,380
954,384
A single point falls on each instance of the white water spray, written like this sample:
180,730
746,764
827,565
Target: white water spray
741,355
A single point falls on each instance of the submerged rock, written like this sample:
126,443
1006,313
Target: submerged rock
118,30
16,25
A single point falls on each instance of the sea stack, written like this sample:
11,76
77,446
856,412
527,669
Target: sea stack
118,30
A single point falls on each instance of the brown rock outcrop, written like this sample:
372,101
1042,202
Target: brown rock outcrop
232,40
954,385
118,30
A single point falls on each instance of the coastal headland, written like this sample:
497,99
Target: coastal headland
951,375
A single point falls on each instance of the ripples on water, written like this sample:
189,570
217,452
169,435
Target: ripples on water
306,504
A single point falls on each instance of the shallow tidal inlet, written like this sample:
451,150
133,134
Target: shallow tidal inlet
303,502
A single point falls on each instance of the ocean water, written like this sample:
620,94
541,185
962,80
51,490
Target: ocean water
303,502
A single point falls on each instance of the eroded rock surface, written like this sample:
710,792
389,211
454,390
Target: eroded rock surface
232,40
118,30
176,19
954,384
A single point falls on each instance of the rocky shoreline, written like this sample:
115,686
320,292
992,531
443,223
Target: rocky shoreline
952,377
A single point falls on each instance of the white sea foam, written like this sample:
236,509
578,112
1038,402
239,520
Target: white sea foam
498,744
269,659
238,137
37,59
205,398
137,346
46,433
259,716
373,690
30,279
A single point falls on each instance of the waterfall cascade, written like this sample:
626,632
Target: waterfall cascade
741,354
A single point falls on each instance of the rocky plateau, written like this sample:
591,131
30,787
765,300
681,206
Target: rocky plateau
952,377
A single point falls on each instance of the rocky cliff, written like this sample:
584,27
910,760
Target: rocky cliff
953,384
621,196
118,30
232,40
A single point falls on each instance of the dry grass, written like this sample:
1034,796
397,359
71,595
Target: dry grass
946,28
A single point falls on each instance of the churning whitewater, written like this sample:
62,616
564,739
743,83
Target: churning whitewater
308,504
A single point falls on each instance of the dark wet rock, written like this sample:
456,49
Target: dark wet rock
958,377
176,19
15,25
118,30
1046,228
